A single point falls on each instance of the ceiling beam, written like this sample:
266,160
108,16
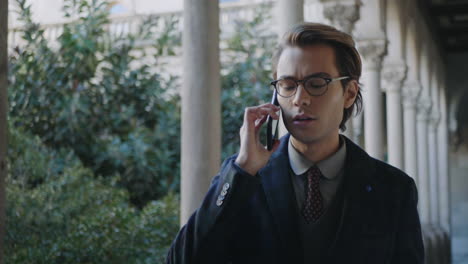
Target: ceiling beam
425,9
453,31
449,9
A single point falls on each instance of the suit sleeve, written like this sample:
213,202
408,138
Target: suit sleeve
206,236
409,246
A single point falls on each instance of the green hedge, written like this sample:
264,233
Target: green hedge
72,217
92,95
95,135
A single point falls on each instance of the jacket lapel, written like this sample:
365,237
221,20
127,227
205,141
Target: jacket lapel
281,200
361,197
361,193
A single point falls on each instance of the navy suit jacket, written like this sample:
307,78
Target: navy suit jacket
256,222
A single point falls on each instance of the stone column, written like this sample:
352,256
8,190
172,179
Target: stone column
350,128
372,51
423,108
356,127
289,13
393,77
342,14
201,109
434,118
3,115
433,168
444,179
410,94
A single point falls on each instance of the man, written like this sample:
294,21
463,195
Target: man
316,197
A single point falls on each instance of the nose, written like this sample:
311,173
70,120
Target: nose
301,98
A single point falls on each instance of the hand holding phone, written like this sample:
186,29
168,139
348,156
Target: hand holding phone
272,125
252,153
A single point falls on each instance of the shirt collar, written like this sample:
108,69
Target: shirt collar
330,167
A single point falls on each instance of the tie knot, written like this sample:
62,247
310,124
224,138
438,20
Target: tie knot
314,173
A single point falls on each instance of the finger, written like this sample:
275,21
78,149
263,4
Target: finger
260,112
252,114
269,111
270,105
262,109
249,112
260,122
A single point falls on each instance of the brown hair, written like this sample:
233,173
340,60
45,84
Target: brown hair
348,60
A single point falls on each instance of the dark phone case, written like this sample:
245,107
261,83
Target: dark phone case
271,136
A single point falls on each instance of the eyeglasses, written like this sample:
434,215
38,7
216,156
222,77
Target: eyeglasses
315,86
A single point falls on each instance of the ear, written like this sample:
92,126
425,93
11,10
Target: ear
350,93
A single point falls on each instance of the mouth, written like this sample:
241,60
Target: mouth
303,119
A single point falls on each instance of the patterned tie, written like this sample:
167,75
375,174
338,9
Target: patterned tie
313,204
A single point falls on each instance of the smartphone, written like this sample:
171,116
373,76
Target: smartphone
272,125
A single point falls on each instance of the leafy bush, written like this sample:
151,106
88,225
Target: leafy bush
72,217
88,117
93,95
32,163
246,75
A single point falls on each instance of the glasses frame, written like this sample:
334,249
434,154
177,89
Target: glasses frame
327,80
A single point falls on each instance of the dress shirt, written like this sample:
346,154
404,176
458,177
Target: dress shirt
332,169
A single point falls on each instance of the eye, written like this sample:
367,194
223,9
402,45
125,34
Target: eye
315,83
287,85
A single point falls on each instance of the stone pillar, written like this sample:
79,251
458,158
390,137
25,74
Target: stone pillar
356,127
433,168
289,13
444,179
349,132
410,95
372,51
411,91
393,77
342,14
433,146
3,116
423,108
201,108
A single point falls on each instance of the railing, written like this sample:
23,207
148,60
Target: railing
229,13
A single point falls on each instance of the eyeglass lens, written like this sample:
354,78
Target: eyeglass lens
314,86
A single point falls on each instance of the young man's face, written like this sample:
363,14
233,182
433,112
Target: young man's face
312,119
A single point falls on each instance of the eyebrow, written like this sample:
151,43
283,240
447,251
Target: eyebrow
317,74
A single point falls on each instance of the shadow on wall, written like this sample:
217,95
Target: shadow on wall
461,133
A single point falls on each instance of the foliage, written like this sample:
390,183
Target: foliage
94,112
32,163
72,217
93,95
246,75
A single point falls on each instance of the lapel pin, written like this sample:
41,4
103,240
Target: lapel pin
368,188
